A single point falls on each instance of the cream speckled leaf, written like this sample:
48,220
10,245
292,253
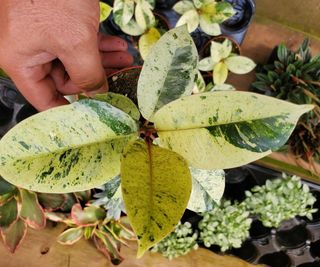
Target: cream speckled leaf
183,6
66,149
144,15
147,41
199,85
210,28
191,19
220,73
105,11
240,64
168,73
198,3
156,186
123,11
207,189
226,129
216,51
206,64
132,28
121,102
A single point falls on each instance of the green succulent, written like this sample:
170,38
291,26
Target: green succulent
226,225
280,199
206,13
295,76
180,242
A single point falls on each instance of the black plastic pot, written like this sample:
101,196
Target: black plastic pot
277,259
293,238
25,112
237,26
238,181
191,217
247,252
258,230
165,4
315,249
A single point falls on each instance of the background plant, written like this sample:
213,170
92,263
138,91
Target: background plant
89,142
279,200
180,242
226,225
208,14
295,76
222,60
136,18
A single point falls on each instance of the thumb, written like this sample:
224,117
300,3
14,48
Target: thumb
84,66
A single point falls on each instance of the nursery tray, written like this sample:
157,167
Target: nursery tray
296,243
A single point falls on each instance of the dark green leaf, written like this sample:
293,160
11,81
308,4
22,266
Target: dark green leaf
8,213
282,53
51,202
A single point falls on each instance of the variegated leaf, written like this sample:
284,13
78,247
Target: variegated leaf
226,48
69,148
220,73
216,52
144,15
222,87
121,102
168,73
70,236
199,85
207,189
14,234
147,42
123,11
206,64
198,3
210,28
156,186
88,216
132,28
191,19
31,212
240,64
183,6
226,129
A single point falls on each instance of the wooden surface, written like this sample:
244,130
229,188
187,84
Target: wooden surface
40,249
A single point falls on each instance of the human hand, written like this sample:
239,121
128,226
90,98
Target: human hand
52,48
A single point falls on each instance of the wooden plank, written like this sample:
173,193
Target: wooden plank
41,249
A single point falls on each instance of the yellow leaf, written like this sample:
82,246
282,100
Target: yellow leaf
105,11
147,41
156,186
220,73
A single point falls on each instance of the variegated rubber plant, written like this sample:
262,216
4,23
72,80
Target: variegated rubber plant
135,17
206,13
87,143
222,60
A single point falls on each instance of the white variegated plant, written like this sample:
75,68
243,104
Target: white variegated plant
87,143
105,11
222,60
136,18
207,14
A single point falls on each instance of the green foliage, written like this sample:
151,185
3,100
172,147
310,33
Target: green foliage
223,60
295,76
180,242
207,14
280,199
226,226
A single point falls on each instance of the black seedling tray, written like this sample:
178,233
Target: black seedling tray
296,243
